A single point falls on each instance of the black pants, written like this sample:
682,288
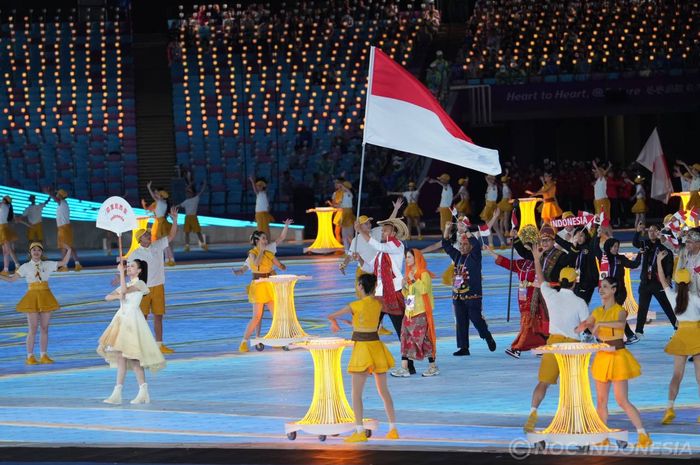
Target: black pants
646,291
466,310
397,322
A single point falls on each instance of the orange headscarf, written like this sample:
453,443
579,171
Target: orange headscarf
422,267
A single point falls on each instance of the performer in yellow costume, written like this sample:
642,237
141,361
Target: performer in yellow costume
161,226
7,235
369,355
463,205
39,301
640,206
261,262
412,212
445,199
693,185
607,323
335,202
550,207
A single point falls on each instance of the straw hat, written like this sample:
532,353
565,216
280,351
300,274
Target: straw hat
444,177
260,183
505,178
411,184
8,199
461,181
364,218
566,215
347,184
639,179
696,166
139,233
35,244
402,232
163,194
61,194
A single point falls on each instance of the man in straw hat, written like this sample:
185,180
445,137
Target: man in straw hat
152,253
446,198
388,267
65,230
466,288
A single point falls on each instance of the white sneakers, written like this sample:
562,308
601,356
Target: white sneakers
141,398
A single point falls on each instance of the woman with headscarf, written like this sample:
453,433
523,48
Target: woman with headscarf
418,327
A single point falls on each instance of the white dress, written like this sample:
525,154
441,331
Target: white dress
129,334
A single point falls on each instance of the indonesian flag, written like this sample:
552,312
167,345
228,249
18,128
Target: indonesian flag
694,213
680,216
484,230
402,114
454,212
652,158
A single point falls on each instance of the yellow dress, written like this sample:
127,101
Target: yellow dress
7,234
550,207
372,356
618,365
412,210
337,198
39,297
686,340
640,206
261,292
160,229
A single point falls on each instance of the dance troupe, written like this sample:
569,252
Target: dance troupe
557,274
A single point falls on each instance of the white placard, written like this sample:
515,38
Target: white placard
116,215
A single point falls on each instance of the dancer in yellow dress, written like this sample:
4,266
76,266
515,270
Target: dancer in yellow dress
446,198
347,221
64,237
463,205
190,206
32,216
262,263
161,226
369,355
601,202
7,235
686,340
412,212
694,185
505,206
263,218
640,205
39,301
548,192
490,206
335,202
607,323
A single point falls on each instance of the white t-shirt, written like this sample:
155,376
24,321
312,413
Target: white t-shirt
566,310
695,184
161,208
446,197
28,271
692,313
364,250
491,193
396,253
411,196
463,193
190,205
685,184
4,212
347,200
153,256
261,203
639,192
506,191
33,213
600,189
62,213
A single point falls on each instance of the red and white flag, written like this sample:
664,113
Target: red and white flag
652,158
402,114
693,213
484,230
513,219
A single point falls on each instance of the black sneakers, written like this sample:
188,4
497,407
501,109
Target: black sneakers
461,352
491,343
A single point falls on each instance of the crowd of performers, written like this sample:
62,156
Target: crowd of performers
557,272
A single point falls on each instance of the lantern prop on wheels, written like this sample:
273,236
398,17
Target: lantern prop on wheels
325,242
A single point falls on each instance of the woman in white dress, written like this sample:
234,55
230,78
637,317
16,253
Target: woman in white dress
128,341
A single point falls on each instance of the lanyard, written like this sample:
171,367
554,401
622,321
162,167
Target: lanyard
613,265
653,260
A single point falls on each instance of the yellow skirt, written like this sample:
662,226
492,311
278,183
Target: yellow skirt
338,217
260,292
602,205
549,369
7,234
693,201
685,341
448,276
487,212
464,207
35,233
550,211
505,206
65,236
445,217
372,356
412,210
263,220
618,365
38,298
348,218
640,206
161,228
192,224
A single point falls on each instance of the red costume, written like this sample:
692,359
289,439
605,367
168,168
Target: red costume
530,335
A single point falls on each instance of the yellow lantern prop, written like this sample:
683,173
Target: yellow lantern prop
685,197
325,239
329,412
576,422
285,328
527,212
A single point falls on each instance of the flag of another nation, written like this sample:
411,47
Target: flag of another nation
652,158
402,114
484,230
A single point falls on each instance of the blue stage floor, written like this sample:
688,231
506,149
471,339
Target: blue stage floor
209,395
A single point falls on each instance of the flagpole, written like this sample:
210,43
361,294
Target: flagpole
364,128
510,274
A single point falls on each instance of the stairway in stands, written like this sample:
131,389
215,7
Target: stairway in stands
154,115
